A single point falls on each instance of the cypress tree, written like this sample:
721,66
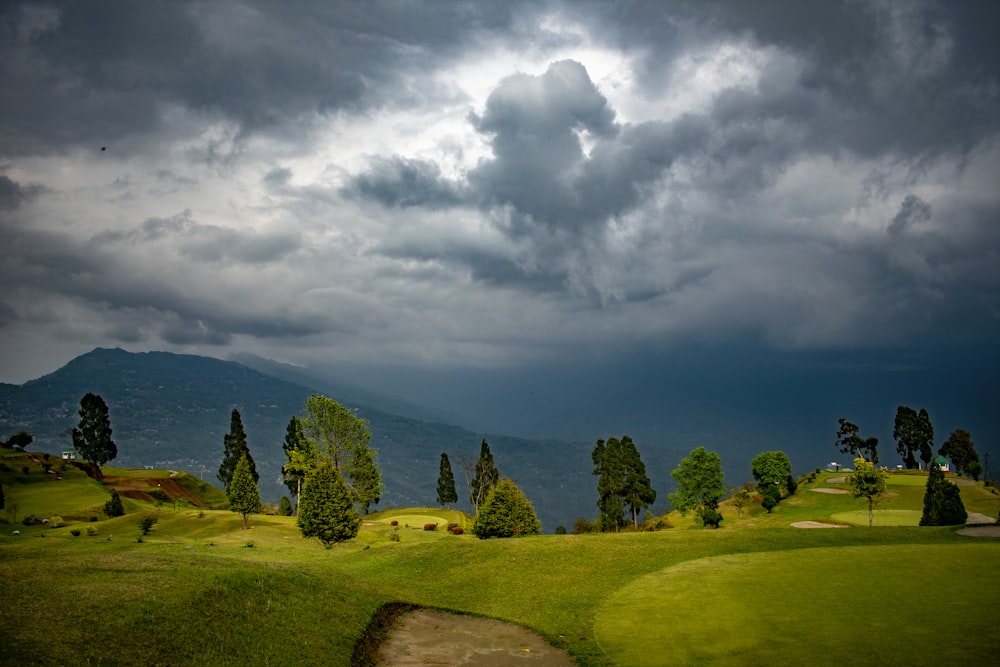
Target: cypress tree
366,478
326,509
113,507
244,497
486,477
637,491
943,504
235,446
609,466
446,493
92,437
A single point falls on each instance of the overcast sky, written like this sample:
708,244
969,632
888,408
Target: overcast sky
494,185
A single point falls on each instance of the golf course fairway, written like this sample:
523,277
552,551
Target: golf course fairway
888,605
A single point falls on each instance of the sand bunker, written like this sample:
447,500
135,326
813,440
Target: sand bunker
826,489
837,480
817,524
975,519
980,531
429,637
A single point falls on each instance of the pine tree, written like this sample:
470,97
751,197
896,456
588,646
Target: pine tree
485,479
235,446
446,493
300,456
326,509
92,437
609,466
113,507
244,497
506,512
366,478
943,504
637,492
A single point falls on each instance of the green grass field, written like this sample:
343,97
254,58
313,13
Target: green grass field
200,590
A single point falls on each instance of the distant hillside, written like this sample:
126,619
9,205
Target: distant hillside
172,411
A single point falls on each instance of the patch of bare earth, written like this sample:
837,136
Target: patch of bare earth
817,524
133,487
430,637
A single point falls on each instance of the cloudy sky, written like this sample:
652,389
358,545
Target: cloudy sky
497,185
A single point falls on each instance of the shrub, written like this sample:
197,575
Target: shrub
146,524
25,469
655,523
709,517
560,530
453,526
769,502
582,525
159,495
430,526
29,520
791,485
93,519
394,535
75,532
56,521
114,506
91,531
457,531
285,506
506,513
250,544
393,523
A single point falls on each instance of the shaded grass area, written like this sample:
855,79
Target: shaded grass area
872,602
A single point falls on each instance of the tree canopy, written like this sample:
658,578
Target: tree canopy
699,481
868,482
771,468
334,429
506,512
622,482
92,437
300,455
326,508
486,477
19,440
849,442
366,478
243,495
914,435
962,452
235,447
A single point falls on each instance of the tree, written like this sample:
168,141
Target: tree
19,440
300,454
772,469
914,435
234,448
638,492
446,493
609,466
113,507
943,504
868,482
770,497
244,497
486,477
326,508
741,499
334,430
92,437
366,478
506,512
284,506
962,452
699,481
849,442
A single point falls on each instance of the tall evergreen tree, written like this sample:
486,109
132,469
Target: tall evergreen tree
485,479
914,435
326,509
610,470
301,457
235,446
366,478
943,504
446,493
506,512
114,507
637,492
244,497
92,437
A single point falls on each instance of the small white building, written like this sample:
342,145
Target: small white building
69,455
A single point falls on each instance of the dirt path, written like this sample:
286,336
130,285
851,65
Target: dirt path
430,637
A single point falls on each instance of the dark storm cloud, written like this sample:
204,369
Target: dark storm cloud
99,73
913,210
13,194
401,182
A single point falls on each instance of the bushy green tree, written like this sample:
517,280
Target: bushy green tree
742,499
366,478
326,508
506,512
235,447
943,504
335,430
772,469
284,506
92,436
446,492
699,481
113,507
770,497
868,482
962,452
18,441
914,435
486,477
244,497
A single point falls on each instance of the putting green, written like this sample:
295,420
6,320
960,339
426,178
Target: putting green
826,606
415,520
879,518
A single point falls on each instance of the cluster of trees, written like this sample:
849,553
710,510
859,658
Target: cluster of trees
621,482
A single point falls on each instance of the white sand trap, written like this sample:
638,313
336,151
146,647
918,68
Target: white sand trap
977,519
817,524
826,489
837,480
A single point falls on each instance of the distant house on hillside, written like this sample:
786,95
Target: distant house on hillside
942,463
69,454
